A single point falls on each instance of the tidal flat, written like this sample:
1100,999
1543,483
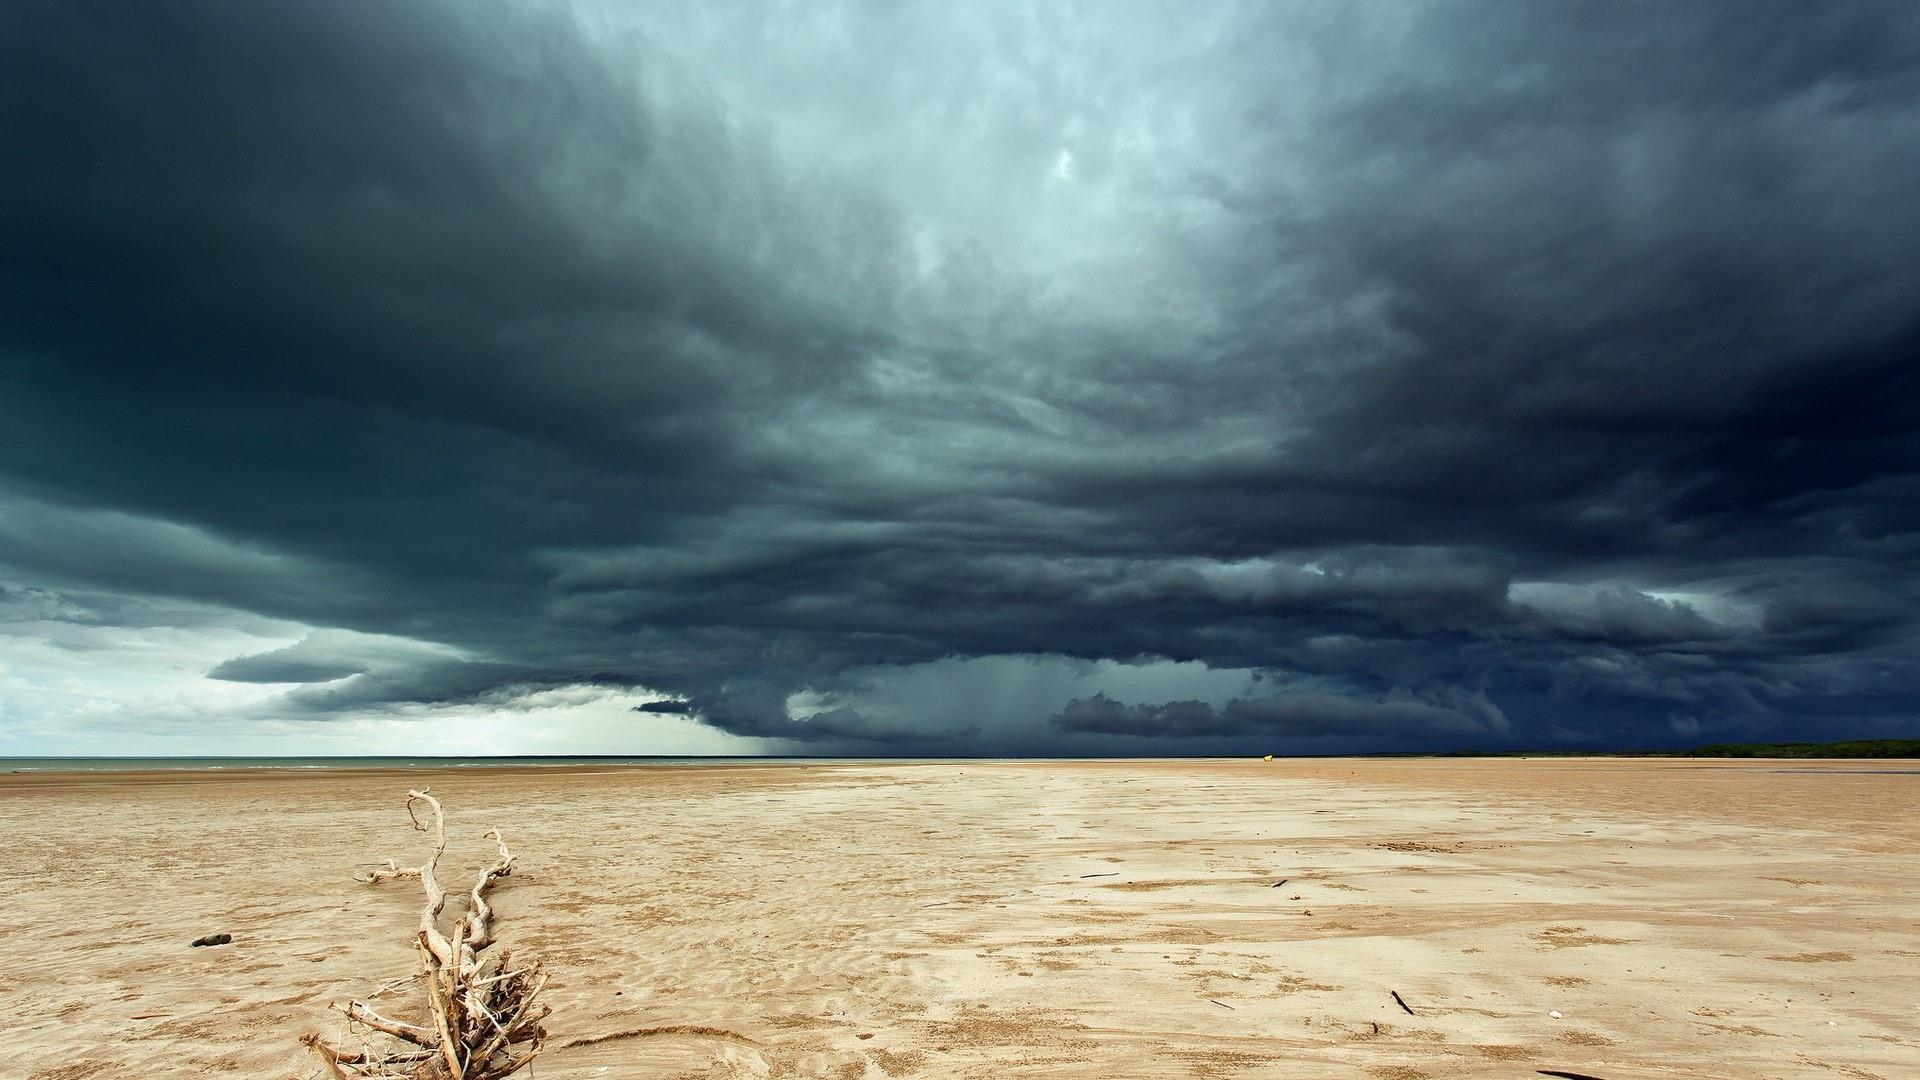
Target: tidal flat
1374,919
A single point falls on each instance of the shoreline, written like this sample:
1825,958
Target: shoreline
64,763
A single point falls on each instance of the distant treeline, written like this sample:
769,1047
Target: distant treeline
1857,748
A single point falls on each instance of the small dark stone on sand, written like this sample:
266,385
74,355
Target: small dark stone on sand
213,939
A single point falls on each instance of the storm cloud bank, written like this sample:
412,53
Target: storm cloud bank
929,379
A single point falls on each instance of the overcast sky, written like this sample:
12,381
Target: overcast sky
936,378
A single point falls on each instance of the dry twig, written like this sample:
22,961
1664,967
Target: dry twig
483,1022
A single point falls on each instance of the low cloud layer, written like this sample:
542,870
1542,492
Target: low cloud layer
1283,716
913,378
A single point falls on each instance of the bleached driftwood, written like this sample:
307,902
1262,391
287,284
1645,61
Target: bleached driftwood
482,1021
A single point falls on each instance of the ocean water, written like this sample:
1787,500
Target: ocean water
118,764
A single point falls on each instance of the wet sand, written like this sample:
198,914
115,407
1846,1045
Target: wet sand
1193,918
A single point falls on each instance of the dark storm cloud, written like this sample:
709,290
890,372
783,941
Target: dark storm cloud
679,708
328,656
1297,715
1464,374
844,724
273,668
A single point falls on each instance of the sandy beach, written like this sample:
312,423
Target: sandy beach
1101,919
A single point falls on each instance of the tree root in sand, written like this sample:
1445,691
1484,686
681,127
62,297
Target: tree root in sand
482,1022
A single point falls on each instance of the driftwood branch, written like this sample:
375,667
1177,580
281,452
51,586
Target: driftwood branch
482,1021
418,1036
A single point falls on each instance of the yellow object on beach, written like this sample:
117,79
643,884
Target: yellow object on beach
1269,757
